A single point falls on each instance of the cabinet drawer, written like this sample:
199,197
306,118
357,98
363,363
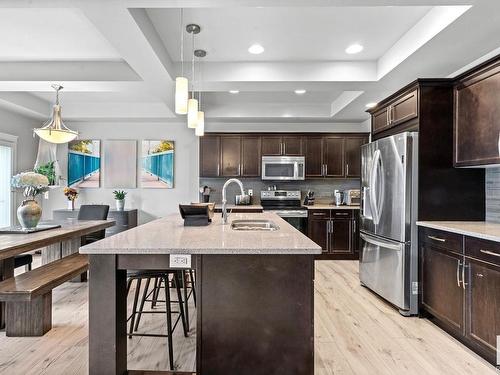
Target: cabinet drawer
445,240
488,251
319,214
341,214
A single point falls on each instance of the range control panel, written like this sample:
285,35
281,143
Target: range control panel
279,194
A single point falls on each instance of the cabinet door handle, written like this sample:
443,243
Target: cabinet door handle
331,227
284,148
326,169
318,214
489,253
458,272
436,238
499,144
347,170
354,226
391,114
464,284
342,213
387,115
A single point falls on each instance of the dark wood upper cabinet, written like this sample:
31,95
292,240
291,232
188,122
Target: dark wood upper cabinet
477,117
333,156
313,149
209,156
443,295
353,156
272,145
404,108
292,145
483,296
380,120
250,156
230,156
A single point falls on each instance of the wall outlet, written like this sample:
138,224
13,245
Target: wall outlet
250,192
180,261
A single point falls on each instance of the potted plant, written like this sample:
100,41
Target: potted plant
120,199
49,171
31,184
71,194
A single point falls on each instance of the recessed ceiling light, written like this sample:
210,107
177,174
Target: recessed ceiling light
300,91
234,91
370,105
255,49
354,48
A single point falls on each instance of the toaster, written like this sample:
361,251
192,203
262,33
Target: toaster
352,197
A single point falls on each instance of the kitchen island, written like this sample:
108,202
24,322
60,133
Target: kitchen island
255,305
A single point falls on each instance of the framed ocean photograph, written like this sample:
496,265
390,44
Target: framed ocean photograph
157,164
84,163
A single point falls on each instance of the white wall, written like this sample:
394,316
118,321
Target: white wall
151,203
22,127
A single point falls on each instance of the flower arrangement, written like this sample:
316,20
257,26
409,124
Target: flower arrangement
70,193
31,183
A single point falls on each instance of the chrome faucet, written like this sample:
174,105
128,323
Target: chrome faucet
224,200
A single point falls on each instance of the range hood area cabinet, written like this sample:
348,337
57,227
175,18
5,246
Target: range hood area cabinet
460,287
477,116
239,155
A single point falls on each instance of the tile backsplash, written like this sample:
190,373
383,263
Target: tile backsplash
493,194
322,188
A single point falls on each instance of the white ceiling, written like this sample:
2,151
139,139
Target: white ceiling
39,34
287,34
118,59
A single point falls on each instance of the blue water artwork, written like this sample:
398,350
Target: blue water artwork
84,163
157,164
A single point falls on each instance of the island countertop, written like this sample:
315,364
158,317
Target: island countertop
168,235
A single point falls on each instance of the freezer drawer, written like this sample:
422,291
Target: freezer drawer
382,268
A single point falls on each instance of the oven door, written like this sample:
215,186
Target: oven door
283,168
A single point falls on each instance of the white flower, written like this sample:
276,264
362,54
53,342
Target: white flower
29,179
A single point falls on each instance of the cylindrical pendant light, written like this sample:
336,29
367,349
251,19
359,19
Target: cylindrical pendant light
192,115
181,83
192,104
200,126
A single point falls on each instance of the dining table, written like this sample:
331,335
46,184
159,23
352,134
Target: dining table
54,244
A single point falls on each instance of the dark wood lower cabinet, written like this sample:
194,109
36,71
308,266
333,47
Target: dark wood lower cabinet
338,237
461,290
483,301
442,294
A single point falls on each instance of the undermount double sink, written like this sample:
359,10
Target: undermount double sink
254,225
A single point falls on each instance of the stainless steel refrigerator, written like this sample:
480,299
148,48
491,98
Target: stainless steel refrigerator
388,244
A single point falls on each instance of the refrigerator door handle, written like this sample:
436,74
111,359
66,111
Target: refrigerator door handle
373,177
380,243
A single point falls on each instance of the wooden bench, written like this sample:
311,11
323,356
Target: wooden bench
28,296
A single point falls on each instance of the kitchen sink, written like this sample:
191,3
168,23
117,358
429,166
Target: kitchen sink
259,225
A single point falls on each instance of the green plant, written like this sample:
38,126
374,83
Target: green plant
48,171
119,194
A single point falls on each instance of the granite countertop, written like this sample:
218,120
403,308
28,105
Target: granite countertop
327,206
168,235
256,207
479,229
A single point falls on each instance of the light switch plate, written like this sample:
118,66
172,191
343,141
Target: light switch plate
180,261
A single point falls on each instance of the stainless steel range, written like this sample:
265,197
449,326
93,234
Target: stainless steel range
286,204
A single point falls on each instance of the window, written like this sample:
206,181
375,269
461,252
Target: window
7,162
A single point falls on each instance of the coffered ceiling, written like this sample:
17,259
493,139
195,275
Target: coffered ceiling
118,58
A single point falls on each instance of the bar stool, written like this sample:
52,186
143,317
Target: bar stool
188,286
135,316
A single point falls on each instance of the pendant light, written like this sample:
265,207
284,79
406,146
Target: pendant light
54,130
192,115
200,125
181,83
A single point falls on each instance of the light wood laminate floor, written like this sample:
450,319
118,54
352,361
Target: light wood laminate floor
356,333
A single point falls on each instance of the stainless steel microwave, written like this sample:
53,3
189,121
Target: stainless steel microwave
283,168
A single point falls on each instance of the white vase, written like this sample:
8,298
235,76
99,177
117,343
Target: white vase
120,204
71,205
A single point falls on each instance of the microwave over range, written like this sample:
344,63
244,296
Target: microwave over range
283,168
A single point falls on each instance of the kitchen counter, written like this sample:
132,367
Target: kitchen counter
168,235
255,293
326,206
240,208
479,229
